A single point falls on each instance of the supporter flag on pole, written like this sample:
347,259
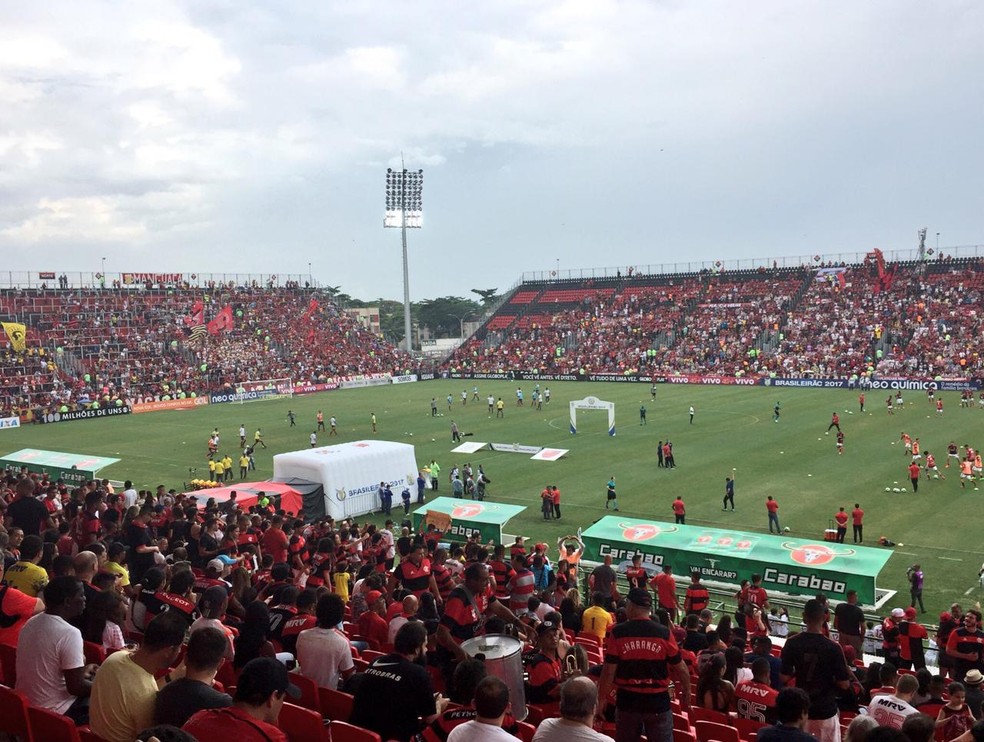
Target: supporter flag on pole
196,334
17,333
313,308
197,315
223,321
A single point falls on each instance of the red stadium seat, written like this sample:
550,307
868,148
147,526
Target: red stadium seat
309,692
94,653
335,705
681,722
535,715
680,735
227,674
13,715
526,731
697,713
746,727
8,665
47,726
343,732
708,731
301,724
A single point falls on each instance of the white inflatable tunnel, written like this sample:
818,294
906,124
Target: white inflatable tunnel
351,472
592,403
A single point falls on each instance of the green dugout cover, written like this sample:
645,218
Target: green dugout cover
470,515
73,468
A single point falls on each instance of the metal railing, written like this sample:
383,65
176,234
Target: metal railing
789,262
140,279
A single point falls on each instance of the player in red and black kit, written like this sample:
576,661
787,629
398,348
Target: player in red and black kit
640,656
303,620
465,613
755,699
964,645
636,575
414,574
502,571
442,574
756,599
697,598
835,422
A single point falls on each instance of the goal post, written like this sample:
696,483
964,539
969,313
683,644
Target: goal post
592,403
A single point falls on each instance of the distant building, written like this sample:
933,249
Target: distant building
368,317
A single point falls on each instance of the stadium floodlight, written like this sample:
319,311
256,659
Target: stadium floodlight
405,210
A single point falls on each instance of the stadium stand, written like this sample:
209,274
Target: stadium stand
140,342
907,318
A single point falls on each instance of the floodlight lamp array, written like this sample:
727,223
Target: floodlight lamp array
404,194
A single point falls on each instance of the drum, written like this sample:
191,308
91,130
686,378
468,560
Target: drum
504,660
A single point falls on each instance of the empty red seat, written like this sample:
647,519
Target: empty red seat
343,732
47,726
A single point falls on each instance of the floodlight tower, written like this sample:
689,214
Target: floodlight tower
404,209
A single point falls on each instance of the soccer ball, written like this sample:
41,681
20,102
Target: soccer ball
888,489
904,489
896,489
786,529
411,435
936,476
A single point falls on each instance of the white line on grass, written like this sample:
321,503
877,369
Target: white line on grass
951,559
969,590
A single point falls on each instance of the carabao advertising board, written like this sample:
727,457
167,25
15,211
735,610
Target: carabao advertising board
796,566
470,515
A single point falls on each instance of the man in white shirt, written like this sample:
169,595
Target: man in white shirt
578,705
129,495
51,669
491,702
892,710
387,534
323,652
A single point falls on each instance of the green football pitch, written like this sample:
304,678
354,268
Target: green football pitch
792,460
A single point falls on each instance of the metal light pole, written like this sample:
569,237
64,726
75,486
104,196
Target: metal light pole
404,209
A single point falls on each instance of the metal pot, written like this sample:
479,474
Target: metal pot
503,659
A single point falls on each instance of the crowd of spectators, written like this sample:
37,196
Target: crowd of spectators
129,610
114,346
829,321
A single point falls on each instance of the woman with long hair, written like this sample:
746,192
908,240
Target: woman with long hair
713,691
735,670
106,614
570,615
252,641
725,630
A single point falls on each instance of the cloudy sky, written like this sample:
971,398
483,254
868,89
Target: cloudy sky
227,136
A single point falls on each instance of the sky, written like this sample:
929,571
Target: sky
219,136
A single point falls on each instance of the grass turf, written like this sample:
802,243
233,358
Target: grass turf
792,460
